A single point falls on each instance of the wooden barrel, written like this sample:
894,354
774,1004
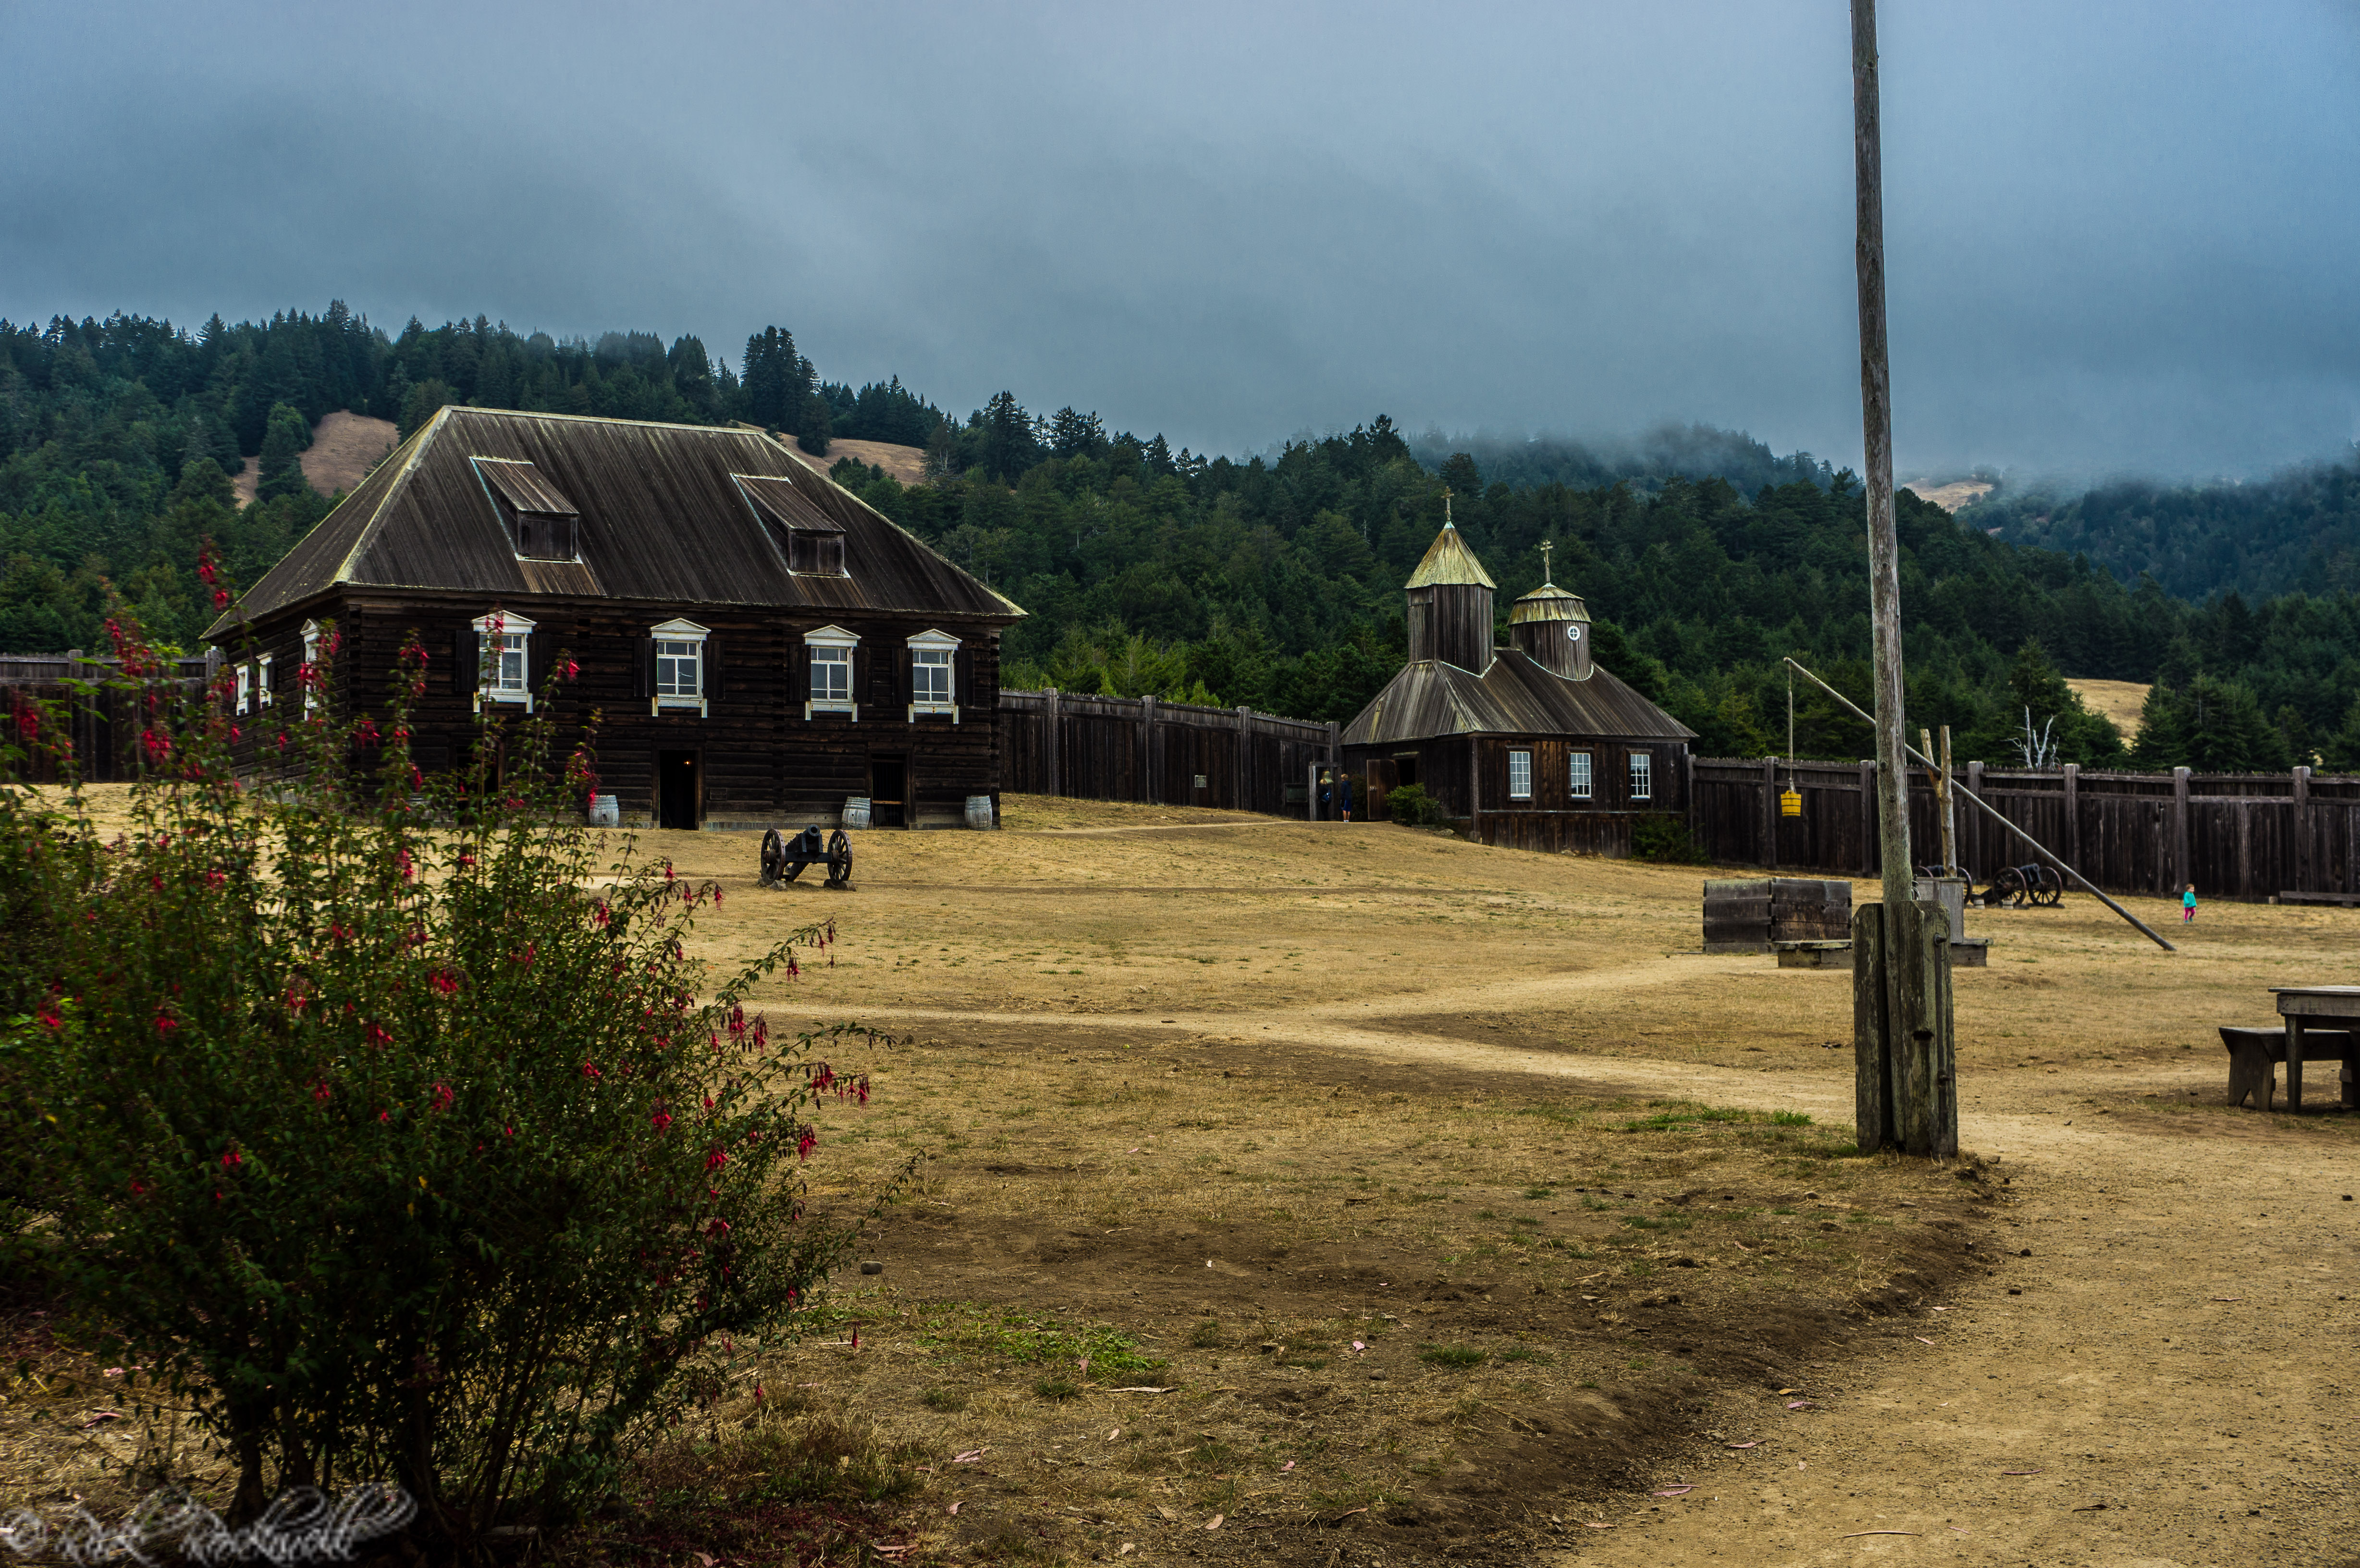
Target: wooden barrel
978,812
856,812
605,811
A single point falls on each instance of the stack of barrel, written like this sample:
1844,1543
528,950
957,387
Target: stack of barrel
1751,914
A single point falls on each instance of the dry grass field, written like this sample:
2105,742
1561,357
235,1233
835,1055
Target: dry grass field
2121,701
1352,1194
345,447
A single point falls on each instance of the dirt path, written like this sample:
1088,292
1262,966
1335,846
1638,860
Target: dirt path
2175,1373
2170,1375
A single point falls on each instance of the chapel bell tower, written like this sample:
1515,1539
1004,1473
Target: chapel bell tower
1451,603
1552,627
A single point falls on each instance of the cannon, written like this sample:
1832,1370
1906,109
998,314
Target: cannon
784,857
2034,883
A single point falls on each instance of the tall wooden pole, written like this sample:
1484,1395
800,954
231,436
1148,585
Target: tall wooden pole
1876,429
1903,1044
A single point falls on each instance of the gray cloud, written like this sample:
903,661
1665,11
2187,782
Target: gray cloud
2118,236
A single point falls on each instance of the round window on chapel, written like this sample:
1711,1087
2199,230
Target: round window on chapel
1573,633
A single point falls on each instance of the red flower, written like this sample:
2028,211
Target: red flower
231,1161
444,1097
443,981
322,1093
804,1144
408,867
572,670
165,1024
659,1121
385,1115
715,1160
719,1227
590,1070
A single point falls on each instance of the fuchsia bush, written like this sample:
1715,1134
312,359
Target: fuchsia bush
384,1120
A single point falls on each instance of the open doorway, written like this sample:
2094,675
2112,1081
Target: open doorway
889,797
676,789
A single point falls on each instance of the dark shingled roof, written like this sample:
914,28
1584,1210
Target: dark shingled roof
1515,696
668,514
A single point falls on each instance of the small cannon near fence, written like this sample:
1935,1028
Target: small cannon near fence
784,858
2033,884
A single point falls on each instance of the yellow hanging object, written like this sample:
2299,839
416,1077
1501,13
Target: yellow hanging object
1790,804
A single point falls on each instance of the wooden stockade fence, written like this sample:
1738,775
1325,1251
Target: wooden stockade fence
104,726
2236,835
1172,754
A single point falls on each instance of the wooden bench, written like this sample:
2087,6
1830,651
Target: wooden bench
2255,1053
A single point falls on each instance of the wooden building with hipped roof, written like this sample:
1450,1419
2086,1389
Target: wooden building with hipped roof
761,644
1530,746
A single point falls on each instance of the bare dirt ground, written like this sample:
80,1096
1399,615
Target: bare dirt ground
2121,701
906,464
345,446
1355,1195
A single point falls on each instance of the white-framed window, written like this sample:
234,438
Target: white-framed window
1578,772
262,680
1519,775
931,689
679,668
245,685
312,659
505,640
1643,776
831,673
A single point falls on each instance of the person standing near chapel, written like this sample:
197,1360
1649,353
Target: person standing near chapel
1344,795
2188,905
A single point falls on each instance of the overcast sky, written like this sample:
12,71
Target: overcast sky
2120,236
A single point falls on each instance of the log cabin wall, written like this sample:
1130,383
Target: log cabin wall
760,762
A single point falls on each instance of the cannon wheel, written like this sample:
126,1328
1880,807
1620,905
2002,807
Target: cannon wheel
839,860
2051,891
773,851
2008,883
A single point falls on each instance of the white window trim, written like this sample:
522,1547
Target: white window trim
262,680
509,624
933,641
1526,792
1581,783
1643,776
681,631
312,657
831,637
245,686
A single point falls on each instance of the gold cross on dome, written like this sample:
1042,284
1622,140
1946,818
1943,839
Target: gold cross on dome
1546,547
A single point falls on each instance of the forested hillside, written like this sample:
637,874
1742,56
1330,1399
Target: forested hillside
2296,531
1273,582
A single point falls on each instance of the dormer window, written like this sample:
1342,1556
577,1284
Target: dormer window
541,524
814,541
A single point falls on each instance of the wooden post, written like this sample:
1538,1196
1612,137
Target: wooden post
1237,774
1904,1056
1872,1081
2073,813
1868,819
1474,789
1770,813
1877,435
2302,856
1975,788
1335,745
2179,872
1688,786
1049,730
1949,811
1147,750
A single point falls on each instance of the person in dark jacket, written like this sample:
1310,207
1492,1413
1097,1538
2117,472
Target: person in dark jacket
1344,795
